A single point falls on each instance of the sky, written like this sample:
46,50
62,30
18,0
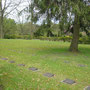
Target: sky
22,18
14,14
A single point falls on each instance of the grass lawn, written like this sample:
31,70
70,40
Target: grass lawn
47,56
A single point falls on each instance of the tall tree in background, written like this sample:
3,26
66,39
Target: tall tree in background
6,7
59,10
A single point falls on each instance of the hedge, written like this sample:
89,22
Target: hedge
82,40
17,36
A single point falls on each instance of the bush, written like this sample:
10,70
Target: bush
10,36
82,40
17,36
64,38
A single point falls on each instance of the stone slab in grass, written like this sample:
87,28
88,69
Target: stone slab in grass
21,64
86,57
87,88
4,58
66,62
82,65
33,68
11,61
69,81
48,75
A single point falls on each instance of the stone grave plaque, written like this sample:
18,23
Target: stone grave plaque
66,62
21,64
48,75
81,65
69,81
33,68
11,61
4,58
87,88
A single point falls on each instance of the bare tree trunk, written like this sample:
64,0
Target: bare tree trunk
31,34
74,43
1,20
31,31
1,29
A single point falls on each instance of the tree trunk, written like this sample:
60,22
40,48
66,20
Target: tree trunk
74,43
31,34
1,33
1,27
31,31
1,20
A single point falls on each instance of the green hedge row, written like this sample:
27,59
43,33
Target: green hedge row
64,38
17,36
82,40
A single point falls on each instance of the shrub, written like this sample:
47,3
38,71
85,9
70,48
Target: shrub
82,40
17,36
64,38
10,36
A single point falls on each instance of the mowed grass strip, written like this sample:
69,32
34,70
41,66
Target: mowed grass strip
47,56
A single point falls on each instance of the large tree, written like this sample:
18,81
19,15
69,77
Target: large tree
65,11
6,7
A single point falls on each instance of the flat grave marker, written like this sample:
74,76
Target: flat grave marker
21,64
48,75
69,81
4,58
11,61
87,88
67,62
82,65
33,68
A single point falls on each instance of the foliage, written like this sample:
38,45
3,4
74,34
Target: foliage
61,10
26,28
64,38
13,36
82,40
10,26
43,30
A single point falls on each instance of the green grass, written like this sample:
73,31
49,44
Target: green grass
48,56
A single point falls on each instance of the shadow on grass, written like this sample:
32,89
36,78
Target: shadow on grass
1,87
65,51
53,51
